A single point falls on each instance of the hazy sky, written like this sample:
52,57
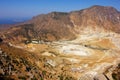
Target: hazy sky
28,8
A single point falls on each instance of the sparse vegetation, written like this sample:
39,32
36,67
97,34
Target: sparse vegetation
63,46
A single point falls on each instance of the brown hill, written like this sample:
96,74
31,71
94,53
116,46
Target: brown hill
65,26
106,17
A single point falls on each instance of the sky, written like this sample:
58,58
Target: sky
19,10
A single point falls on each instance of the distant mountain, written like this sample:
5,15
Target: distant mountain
65,26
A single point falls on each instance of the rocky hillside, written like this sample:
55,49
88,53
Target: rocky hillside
65,26
93,60
79,45
97,16
18,64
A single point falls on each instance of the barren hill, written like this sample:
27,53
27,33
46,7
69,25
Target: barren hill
65,26
79,45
